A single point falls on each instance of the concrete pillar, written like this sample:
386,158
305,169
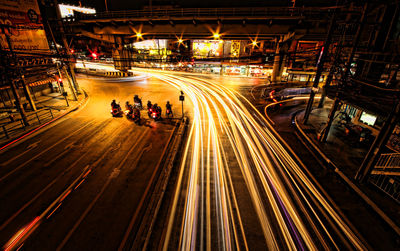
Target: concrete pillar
276,66
324,135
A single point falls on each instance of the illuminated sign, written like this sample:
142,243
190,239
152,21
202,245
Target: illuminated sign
68,10
151,44
207,48
368,119
27,32
235,49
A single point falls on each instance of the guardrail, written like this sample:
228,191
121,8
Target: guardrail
386,175
211,12
39,116
388,160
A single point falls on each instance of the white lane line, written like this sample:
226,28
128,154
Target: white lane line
29,148
44,151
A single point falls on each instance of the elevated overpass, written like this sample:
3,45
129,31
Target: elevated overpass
307,23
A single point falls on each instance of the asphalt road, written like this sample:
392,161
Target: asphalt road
239,186
82,181
81,184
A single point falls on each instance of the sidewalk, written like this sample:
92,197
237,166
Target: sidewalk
345,156
49,107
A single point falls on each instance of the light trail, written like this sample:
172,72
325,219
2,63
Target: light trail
292,213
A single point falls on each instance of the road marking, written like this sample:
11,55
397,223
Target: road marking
113,174
41,192
41,153
30,147
22,235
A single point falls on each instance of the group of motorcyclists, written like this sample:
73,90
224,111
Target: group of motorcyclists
133,111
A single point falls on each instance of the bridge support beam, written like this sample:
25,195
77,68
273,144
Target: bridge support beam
121,56
279,60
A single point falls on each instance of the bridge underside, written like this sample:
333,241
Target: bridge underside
198,31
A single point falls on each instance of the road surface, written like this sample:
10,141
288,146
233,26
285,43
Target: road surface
82,183
238,186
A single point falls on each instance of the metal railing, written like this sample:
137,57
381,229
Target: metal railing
40,116
388,160
386,175
210,12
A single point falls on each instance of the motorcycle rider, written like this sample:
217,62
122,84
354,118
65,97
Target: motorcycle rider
149,104
128,107
159,110
114,104
136,99
168,108
136,113
154,107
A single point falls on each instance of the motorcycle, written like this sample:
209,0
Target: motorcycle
156,115
169,113
116,111
136,118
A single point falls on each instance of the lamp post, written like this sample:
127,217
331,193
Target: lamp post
182,98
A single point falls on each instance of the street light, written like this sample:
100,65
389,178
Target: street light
216,36
139,35
182,98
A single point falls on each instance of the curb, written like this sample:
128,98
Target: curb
155,199
351,184
281,102
37,128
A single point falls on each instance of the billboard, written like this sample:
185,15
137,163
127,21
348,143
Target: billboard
207,48
27,33
68,10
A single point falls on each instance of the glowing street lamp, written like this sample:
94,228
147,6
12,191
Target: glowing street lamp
94,55
139,35
216,36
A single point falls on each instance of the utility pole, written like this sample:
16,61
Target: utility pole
27,92
320,67
14,87
344,77
63,66
69,65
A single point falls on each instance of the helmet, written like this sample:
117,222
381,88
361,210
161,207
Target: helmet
167,102
148,101
136,96
127,102
113,100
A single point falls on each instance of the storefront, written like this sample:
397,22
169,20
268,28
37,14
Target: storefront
259,71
